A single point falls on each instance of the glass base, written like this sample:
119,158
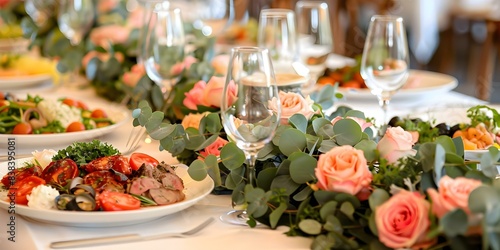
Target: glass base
235,217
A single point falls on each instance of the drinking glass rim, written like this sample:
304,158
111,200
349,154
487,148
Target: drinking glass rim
313,4
386,18
276,12
249,48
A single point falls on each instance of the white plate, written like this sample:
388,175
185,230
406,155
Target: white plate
194,191
17,82
120,115
430,84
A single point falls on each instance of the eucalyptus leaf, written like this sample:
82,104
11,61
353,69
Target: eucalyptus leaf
369,149
483,197
214,171
447,143
212,123
235,178
310,226
285,182
454,223
303,194
292,140
265,177
193,138
347,132
348,209
328,209
355,113
377,198
318,124
488,162
302,167
207,142
197,170
333,224
231,156
299,121
276,214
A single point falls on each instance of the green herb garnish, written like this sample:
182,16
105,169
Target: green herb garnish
84,152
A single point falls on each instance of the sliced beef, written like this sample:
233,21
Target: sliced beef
142,184
164,196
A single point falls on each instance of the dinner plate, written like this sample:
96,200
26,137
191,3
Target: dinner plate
427,84
194,191
119,114
18,82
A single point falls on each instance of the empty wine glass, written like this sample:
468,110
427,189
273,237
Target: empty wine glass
75,19
148,7
385,60
39,10
315,36
250,109
164,48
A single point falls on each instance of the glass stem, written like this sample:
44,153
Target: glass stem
384,104
250,170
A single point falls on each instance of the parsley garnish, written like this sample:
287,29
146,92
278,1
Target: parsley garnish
84,152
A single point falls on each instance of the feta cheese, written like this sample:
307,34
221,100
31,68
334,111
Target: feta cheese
44,158
43,197
54,110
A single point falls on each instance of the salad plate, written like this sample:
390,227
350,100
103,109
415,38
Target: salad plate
194,191
23,81
118,114
426,84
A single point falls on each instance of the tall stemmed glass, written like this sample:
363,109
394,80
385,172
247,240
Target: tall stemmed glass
39,10
250,109
75,19
164,50
385,62
315,36
148,7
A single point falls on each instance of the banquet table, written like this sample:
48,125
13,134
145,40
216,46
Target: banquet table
32,234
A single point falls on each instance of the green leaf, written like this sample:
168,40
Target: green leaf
483,197
324,196
193,138
299,121
231,156
207,142
310,226
214,171
319,123
276,215
303,194
347,132
302,167
286,182
488,162
377,198
333,224
369,149
327,209
162,131
348,209
447,143
265,177
292,140
454,223
197,170
212,123
235,178
355,113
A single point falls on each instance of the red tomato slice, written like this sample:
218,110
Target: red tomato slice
115,201
99,113
103,180
119,163
137,159
23,188
22,128
75,127
60,171
19,174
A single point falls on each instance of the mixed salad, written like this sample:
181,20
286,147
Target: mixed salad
92,176
37,115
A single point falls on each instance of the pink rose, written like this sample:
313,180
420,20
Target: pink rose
102,56
403,221
343,169
453,193
194,96
361,122
186,64
220,64
293,103
188,61
212,95
396,144
105,6
214,148
115,34
135,74
193,120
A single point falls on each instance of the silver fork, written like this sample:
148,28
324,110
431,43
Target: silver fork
134,139
127,238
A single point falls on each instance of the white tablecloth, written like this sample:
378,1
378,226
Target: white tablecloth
36,235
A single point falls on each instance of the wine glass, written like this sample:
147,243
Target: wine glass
75,19
315,36
164,48
39,10
250,109
211,17
148,8
385,61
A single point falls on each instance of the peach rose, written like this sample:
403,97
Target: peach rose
184,65
212,95
214,148
403,221
102,56
293,103
115,34
362,123
343,169
105,6
135,74
220,64
194,96
396,144
453,193
193,120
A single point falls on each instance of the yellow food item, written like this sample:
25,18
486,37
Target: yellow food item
27,65
477,137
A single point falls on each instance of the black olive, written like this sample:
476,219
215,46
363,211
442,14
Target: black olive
395,121
443,129
416,121
453,129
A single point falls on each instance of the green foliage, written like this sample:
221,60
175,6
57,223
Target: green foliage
84,152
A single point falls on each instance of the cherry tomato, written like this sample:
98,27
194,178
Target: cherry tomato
22,128
19,174
103,180
99,113
82,105
60,171
115,201
70,102
75,127
326,80
137,159
4,103
23,188
351,84
119,163
2,96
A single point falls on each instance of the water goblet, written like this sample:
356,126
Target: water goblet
385,61
75,18
315,36
250,109
39,10
148,7
164,49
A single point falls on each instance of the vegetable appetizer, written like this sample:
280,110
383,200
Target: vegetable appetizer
92,176
36,115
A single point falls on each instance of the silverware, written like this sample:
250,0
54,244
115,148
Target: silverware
126,238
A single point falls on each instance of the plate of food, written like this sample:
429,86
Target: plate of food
17,72
36,121
115,190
